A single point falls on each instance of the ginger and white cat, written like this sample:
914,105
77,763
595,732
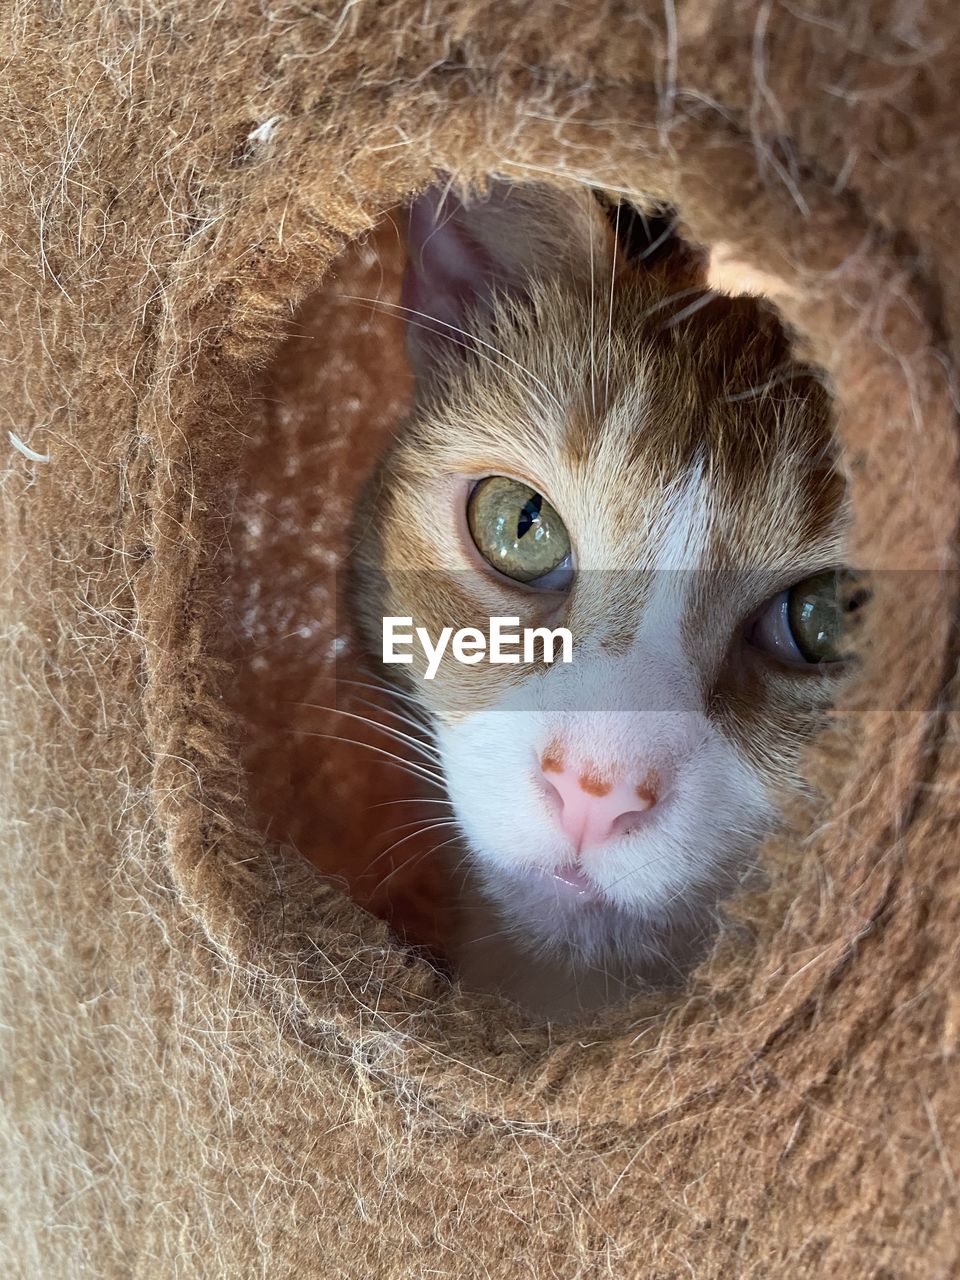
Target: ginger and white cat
621,451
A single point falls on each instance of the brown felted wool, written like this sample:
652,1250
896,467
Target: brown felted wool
216,1062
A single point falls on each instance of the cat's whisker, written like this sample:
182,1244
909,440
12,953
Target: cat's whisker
678,317
379,685
418,822
414,715
593,332
654,245
414,859
468,343
412,721
429,320
430,323
408,766
505,932
412,835
662,858
427,748
694,291
613,276
423,749
779,379
382,804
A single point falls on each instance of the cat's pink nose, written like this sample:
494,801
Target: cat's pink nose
593,810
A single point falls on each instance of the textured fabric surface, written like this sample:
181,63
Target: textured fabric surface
215,1063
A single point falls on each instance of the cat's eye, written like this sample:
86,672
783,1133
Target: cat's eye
517,531
807,624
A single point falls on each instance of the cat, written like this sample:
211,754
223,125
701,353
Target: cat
615,447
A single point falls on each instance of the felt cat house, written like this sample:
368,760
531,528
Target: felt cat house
217,1060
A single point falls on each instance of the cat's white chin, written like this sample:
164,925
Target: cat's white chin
552,918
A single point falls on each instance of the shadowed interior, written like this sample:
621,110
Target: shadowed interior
321,778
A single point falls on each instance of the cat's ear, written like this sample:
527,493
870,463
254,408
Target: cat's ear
463,251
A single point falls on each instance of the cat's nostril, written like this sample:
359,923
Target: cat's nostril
624,824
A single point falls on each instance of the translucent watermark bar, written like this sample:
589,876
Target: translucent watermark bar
634,640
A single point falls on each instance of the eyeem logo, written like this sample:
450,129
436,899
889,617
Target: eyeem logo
469,645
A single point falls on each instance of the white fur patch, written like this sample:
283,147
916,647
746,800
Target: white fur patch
685,524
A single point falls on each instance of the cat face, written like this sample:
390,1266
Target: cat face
672,470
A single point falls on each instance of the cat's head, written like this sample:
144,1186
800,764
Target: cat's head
619,452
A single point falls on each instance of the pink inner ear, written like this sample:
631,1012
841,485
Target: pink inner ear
447,272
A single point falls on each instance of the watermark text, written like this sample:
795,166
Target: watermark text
505,643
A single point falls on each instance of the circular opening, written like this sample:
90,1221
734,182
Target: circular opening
701,696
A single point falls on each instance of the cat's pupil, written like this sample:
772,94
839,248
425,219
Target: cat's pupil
529,514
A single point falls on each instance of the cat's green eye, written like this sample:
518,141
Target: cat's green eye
816,609
808,624
517,531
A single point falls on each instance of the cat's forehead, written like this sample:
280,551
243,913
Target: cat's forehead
633,427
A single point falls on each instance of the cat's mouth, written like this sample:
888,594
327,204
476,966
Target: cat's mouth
571,879
568,883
